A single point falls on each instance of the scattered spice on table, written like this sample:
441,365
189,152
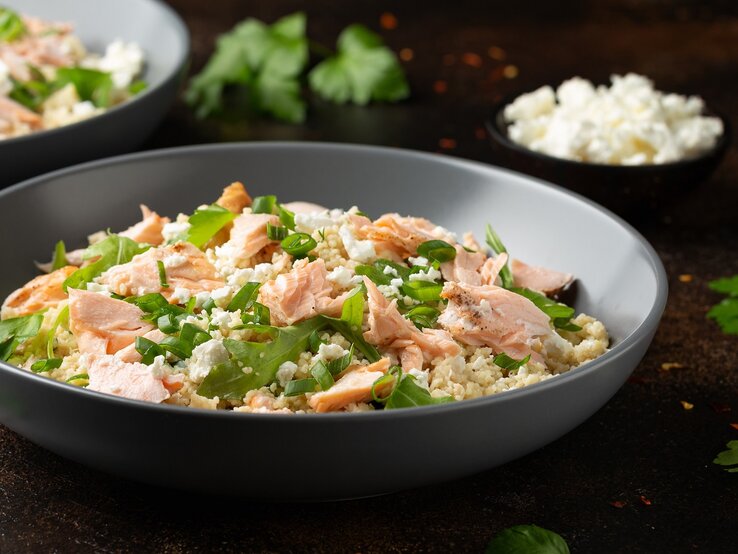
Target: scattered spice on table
388,21
510,71
472,59
618,504
407,54
668,366
440,87
447,143
686,405
645,501
497,53
686,278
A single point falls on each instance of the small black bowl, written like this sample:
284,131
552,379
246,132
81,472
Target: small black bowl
629,190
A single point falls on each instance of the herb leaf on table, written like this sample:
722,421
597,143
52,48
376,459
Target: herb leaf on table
728,457
725,313
527,539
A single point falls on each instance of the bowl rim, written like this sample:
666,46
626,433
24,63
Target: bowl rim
648,326
497,128
183,36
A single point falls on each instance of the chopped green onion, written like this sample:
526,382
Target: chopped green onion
262,315
322,375
162,274
425,291
286,217
494,242
59,259
209,304
300,386
377,276
78,377
437,251
393,374
92,85
168,323
510,364
148,350
149,303
136,87
298,244
191,304
42,366
193,335
244,298
263,204
176,346
340,364
276,232
62,318
363,214
315,341
423,316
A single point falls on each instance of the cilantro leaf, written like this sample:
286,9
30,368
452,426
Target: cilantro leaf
527,539
559,313
11,25
16,330
728,457
111,251
206,222
265,59
92,85
408,394
362,70
726,312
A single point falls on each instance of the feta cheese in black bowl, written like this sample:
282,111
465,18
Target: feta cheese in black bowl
627,146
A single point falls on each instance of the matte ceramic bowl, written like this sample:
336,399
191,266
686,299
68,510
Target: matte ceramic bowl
631,191
165,40
328,456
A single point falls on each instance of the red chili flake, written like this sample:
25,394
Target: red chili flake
388,21
447,143
471,59
734,425
618,504
645,501
720,408
480,133
407,54
439,87
449,59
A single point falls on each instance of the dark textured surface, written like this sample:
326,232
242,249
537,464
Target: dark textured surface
643,443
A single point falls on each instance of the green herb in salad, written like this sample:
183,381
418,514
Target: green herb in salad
15,331
510,364
206,222
92,85
527,539
59,259
405,393
559,313
725,313
113,250
11,25
494,242
437,251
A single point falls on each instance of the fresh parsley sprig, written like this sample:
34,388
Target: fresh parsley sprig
725,313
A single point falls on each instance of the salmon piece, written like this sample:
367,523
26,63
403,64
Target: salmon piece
546,281
464,268
234,199
148,230
301,294
411,357
111,375
354,386
104,325
388,328
403,235
470,242
263,403
304,207
492,316
248,236
40,293
15,113
173,382
186,267
129,354
491,269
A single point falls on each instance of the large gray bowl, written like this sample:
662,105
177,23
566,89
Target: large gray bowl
164,38
328,456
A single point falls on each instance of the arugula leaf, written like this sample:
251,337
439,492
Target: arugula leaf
349,325
726,312
111,251
353,308
728,457
92,85
408,394
264,59
510,364
205,223
494,242
59,259
16,330
559,313
362,70
227,380
527,539
11,25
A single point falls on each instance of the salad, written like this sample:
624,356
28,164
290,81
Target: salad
253,305
48,79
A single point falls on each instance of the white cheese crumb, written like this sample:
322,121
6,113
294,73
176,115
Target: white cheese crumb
175,230
181,295
431,275
205,357
358,250
342,276
313,221
159,367
420,260
175,260
330,352
421,377
285,373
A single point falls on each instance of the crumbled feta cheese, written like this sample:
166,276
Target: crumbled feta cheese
358,250
221,295
175,230
6,85
223,318
205,357
393,289
201,298
342,276
431,275
123,60
181,295
389,270
97,287
313,221
421,377
159,367
628,123
285,373
330,352
420,260
175,260
84,109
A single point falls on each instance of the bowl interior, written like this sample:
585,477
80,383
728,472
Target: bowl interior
620,278
148,22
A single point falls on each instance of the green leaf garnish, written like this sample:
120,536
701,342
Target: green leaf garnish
78,377
137,87
300,386
437,251
298,244
92,85
263,204
11,25
42,366
510,364
61,319
111,251
244,299
17,330
362,70
162,274
322,375
205,224
527,539
59,259
32,93
276,232
494,242
406,392
559,313
148,350
728,457
725,313
425,291
340,364
423,316
286,217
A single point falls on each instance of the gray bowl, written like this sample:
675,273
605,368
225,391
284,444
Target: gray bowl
164,38
330,456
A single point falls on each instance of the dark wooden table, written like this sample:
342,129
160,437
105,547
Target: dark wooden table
637,477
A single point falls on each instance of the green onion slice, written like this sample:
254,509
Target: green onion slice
510,364
286,217
322,375
423,316
393,374
42,366
162,274
148,350
425,291
263,204
78,377
437,251
298,244
300,386
276,232
59,259
315,341
244,299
